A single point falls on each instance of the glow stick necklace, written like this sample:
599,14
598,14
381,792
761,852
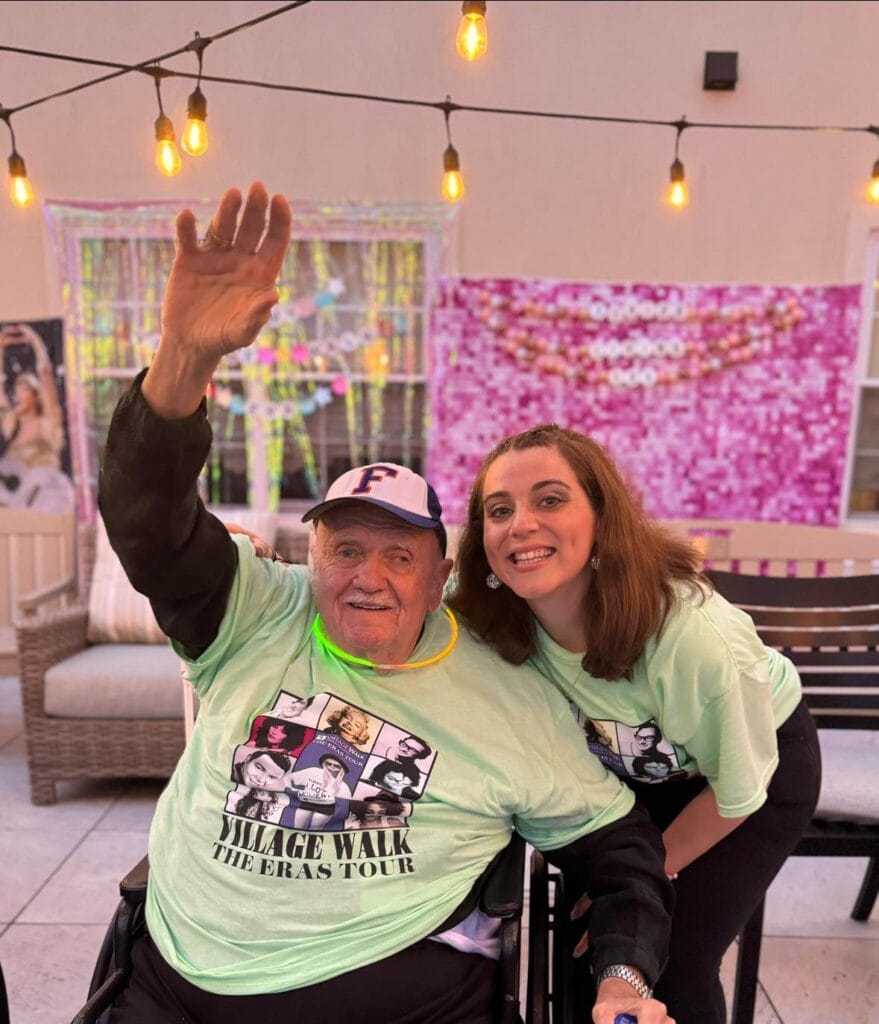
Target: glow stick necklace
318,630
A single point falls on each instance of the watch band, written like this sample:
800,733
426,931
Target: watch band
627,974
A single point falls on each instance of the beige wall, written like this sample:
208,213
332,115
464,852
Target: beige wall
546,198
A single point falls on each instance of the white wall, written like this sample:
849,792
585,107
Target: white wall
546,198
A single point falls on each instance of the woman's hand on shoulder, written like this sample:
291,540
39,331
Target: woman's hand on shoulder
261,547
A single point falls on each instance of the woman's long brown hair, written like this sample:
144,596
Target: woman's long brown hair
631,592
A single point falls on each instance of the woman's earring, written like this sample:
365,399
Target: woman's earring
595,562
492,582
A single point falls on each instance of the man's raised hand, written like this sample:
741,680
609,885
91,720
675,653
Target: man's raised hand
219,295
222,289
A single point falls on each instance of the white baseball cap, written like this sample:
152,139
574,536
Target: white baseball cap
394,488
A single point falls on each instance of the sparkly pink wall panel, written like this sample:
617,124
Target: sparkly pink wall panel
730,401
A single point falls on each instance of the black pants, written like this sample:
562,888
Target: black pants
428,983
718,892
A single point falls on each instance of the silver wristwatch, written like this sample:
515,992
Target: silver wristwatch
628,974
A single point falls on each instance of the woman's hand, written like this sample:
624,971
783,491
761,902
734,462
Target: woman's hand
262,548
22,334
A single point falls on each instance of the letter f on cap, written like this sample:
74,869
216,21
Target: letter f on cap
370,475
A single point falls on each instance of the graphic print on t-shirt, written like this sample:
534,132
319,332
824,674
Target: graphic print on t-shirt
638,752
324,764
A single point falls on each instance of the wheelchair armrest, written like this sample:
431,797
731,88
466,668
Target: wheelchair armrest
501,894
133,886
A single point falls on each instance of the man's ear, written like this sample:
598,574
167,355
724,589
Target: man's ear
442,574
312,544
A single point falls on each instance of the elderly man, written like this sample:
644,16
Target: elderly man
303,917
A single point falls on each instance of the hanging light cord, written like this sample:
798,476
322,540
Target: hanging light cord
6,115
680,125
157,73
447,107
199,45
144,65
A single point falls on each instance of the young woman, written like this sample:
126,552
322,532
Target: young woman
558,565
32,427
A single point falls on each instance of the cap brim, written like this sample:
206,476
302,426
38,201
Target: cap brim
424,522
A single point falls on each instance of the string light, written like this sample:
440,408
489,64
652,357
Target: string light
678,193
472,39
194,138
453,183
453,188
167,155
21,191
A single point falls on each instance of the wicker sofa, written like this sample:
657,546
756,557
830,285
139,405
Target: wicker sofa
92,710
101,686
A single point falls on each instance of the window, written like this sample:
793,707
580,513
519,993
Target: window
337,378
863,490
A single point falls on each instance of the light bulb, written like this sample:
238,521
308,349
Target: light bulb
195,135
873,187
472,38
21,191
678,193
453,183
167,155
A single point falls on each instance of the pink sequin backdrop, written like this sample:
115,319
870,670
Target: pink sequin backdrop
717,402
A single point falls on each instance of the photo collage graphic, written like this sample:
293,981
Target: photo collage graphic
323,764
638,752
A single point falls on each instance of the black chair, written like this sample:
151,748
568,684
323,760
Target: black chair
501,895
550,993
829,628
4,1003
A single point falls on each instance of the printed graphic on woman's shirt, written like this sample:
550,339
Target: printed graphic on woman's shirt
631,751
601,738
648,756
323,764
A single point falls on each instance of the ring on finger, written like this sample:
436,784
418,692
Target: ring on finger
212,238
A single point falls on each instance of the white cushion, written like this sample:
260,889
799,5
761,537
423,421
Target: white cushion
117,612
116,681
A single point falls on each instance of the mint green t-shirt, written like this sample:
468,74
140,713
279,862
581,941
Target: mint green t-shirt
706,697
295,843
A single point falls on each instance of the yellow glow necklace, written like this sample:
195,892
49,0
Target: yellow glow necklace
318,630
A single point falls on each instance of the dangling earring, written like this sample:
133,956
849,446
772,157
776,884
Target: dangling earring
492,582
595,562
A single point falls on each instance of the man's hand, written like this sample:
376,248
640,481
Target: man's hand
219,295
616,997
221,290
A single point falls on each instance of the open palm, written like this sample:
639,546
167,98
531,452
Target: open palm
221,292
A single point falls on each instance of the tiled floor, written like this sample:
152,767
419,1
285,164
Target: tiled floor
60,866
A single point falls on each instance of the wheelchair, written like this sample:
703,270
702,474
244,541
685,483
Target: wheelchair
501,894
